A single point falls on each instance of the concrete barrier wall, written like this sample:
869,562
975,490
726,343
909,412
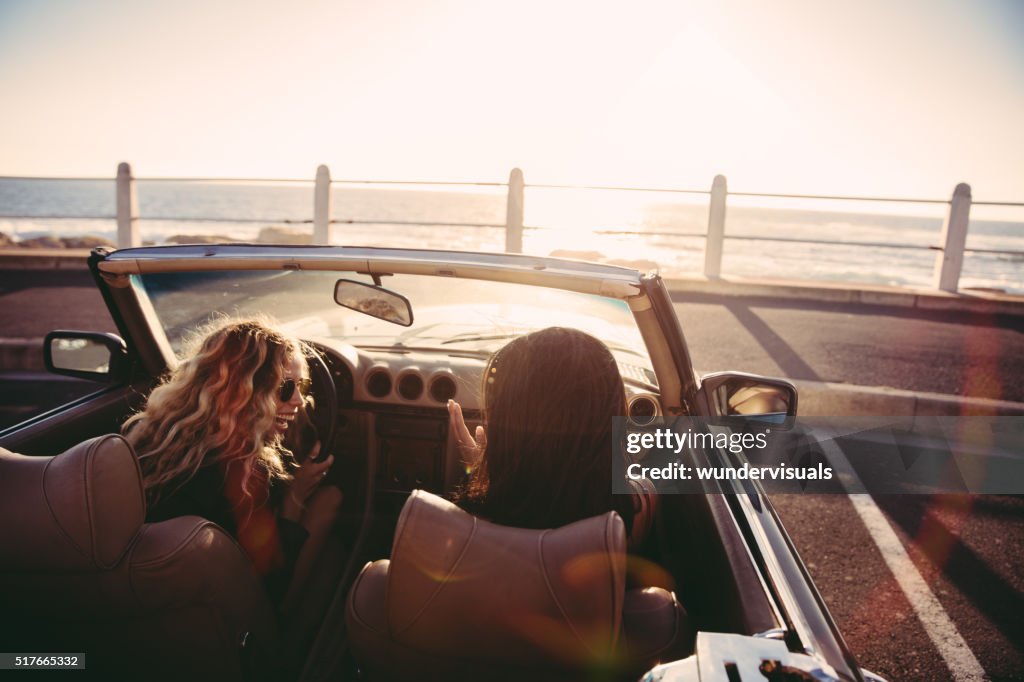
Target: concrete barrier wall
44,259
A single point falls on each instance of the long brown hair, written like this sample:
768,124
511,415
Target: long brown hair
549,400
217,406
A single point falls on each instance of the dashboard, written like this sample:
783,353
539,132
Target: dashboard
392,409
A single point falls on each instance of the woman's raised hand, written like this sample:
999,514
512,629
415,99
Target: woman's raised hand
304,483
471,447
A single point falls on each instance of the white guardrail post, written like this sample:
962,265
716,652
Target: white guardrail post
322,206
127,208
950,260
716,228
514,213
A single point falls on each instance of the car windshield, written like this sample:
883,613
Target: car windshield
450,314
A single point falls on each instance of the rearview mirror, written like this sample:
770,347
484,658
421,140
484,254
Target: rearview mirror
374,301
85,355
749,396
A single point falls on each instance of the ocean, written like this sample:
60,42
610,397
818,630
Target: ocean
648,230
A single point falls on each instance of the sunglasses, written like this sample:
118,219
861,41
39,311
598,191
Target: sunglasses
288,386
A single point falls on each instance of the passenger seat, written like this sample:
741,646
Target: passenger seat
83,573
464,598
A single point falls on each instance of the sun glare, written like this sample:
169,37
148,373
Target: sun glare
779,97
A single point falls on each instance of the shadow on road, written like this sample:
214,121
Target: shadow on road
988,592
784,355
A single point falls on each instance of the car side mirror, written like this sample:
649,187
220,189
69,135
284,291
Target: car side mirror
85,355
749,396
373,300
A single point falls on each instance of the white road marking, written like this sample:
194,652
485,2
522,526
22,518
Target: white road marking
959,658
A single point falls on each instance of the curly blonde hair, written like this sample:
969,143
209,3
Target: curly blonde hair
218,406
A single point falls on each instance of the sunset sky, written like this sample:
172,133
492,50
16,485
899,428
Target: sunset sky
874,97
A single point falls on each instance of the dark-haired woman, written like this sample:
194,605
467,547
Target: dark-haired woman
542,460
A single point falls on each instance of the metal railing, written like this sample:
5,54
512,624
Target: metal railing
946,274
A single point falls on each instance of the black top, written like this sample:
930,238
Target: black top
203,495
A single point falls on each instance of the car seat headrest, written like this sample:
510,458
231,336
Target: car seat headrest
461,586
76,511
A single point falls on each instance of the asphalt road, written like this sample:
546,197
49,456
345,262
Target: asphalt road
958,354
969,550
34,302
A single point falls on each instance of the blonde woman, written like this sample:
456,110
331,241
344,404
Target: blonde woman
210,444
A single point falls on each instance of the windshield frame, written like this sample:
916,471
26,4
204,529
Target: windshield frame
676,380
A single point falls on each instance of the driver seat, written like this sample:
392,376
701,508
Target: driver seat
83,573
462,598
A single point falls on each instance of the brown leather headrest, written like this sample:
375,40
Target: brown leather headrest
76,511
459,586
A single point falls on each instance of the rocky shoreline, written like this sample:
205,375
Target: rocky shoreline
268,235
49,242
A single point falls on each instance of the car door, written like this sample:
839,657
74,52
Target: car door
110,396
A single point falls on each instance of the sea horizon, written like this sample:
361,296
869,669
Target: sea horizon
647,230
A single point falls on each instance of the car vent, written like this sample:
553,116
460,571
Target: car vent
410,386
643,409
442,388
637,373
378,383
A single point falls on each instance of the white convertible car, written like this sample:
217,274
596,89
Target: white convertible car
399,332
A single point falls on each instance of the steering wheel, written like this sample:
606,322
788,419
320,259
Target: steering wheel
323,417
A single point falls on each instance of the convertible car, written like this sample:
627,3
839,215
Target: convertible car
409,585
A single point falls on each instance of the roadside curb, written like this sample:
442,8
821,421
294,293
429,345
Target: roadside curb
979,302
824,399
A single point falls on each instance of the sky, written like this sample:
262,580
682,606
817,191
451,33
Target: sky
869,98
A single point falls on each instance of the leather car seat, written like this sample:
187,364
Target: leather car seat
461,597
81,572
